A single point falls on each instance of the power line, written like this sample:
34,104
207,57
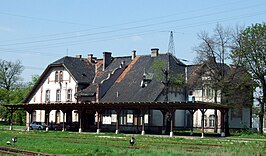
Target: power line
129,28
26,52
143,33
45,19
125,36
97,27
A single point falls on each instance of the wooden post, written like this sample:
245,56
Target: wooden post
47,118
163,127
99,112
29,119
63,129
172,114
118,111
222,123
143,124
192,120
143,111
11,110
202,121
171,111
80,120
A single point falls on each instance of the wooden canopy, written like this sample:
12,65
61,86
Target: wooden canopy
118,105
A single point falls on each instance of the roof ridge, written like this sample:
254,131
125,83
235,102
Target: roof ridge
129,67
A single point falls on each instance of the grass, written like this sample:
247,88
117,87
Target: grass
72,143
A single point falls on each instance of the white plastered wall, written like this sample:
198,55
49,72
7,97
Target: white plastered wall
49,83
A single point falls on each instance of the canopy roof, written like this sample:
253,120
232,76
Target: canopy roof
119,105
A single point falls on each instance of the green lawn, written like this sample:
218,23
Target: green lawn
72,143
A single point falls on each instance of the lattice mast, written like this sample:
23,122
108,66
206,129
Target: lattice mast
171,44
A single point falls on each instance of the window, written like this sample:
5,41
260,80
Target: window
61,76
211,120
58,95
47,96
123,117
56,76
205,121
207,91
69,95
34,115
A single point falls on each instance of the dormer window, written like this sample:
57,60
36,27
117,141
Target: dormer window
146,79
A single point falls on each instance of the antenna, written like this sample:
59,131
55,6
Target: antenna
171,45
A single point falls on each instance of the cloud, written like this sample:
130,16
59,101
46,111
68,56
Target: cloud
136,38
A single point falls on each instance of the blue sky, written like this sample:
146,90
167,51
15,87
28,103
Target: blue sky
40,32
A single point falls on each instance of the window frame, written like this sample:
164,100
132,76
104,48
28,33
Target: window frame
211,120
58,95
47,95
56,76
69,95
60,76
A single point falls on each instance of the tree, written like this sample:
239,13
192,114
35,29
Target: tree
9,83
10,74
249,51
169,77
213,51
230,83
18,95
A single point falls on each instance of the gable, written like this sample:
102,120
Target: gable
49,81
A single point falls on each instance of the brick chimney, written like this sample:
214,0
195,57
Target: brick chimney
107,59
133,54
154,52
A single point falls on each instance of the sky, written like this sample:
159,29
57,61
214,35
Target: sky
39,32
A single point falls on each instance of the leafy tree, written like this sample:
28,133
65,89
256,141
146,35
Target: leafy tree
9,84
163,72
249,51
10,74
160,66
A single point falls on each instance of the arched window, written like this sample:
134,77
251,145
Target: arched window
58,95
61,76
56,76
47,96
211,120
69,95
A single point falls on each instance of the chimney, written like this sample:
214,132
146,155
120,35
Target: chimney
154,52
133,54
79,56
90,58
107,58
